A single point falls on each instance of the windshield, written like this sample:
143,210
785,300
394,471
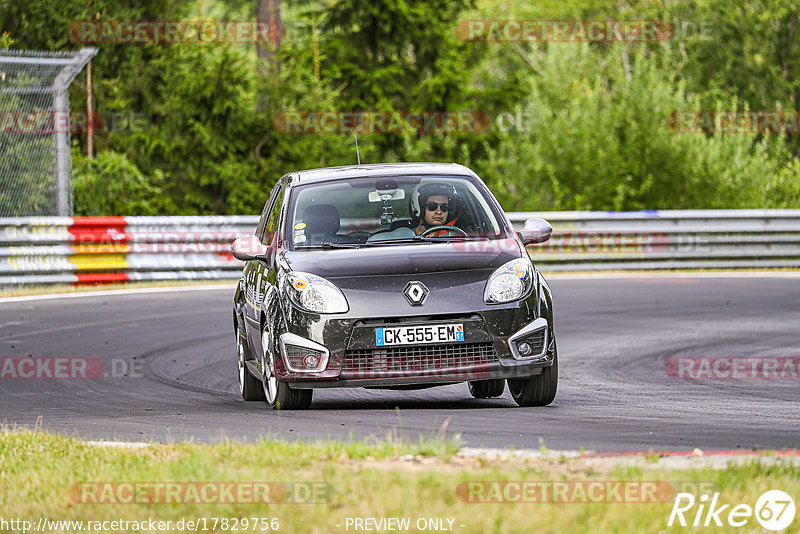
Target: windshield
392,209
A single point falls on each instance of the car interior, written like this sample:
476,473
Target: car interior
361,217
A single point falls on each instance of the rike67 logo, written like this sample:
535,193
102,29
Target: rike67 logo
774,510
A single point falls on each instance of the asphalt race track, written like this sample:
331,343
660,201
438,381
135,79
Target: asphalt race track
615,336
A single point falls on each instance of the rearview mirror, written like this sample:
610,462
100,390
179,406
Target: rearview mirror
535,231
378,196
247,247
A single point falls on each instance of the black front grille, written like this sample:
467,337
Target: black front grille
418,359
535,340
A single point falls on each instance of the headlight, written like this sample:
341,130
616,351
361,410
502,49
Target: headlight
509,282
315,294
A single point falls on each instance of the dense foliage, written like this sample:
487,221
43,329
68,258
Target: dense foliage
191,128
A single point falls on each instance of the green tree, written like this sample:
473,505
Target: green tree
586,138
111,184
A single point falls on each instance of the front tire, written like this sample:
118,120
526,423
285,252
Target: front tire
487,389
538,390
249,386
278,394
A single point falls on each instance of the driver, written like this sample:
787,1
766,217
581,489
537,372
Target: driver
436,207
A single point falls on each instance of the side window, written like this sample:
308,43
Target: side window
263,219
273,219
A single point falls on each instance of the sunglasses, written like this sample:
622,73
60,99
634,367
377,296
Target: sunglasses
432,206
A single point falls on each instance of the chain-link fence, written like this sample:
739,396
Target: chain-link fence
35,126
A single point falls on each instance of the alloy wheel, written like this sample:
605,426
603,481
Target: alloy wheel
240,358
270,382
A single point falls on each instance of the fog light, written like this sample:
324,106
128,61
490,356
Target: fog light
524,349
302,355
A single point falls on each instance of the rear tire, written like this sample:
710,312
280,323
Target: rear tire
487,389
539,390
278,394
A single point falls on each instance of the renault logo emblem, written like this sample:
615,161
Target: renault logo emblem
415,293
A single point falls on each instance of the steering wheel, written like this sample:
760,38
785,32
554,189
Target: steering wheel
448,228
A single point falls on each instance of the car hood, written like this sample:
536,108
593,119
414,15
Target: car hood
417,258
373,279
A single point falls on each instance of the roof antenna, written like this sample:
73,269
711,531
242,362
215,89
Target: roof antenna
358,155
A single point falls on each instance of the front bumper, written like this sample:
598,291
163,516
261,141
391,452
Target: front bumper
489,351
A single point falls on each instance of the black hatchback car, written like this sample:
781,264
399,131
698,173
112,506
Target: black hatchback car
399,276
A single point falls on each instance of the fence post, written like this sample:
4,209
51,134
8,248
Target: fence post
62,152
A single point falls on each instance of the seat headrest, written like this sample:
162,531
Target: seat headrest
321,219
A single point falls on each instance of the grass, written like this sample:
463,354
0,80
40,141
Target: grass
388,478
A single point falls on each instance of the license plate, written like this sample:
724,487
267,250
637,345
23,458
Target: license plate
414,335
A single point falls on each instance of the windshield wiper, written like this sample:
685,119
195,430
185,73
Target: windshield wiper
328,244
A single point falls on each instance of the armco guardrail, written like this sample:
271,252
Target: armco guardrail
117,249
668,239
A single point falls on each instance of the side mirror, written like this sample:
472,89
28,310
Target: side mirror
247,247
535,231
